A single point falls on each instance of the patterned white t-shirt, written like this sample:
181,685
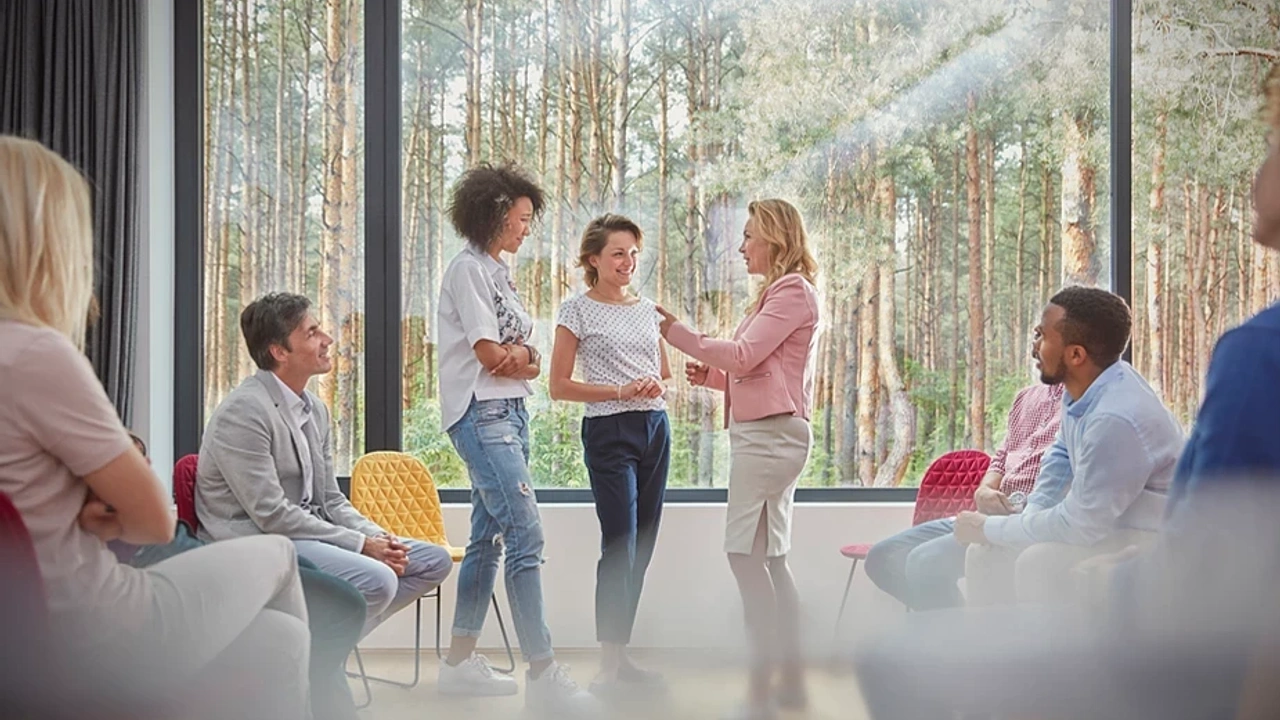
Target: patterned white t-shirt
616,344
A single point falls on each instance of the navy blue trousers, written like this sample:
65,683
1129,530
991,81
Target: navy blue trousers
627,457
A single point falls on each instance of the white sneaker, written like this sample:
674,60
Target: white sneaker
555,694
474,676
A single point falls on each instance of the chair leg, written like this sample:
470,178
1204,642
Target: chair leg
511,658
844,600
417,647
368,692
439,656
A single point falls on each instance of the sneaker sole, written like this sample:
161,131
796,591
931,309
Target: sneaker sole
478,691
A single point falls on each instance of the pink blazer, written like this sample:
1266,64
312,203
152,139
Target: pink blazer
767,368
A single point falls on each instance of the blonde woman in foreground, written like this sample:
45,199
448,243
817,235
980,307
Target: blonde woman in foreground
766,374
217,632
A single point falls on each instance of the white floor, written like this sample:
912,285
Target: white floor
701,688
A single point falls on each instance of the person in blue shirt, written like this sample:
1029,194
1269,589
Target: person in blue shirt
1103,482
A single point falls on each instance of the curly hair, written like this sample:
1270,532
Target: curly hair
596,237
1097,320
482,197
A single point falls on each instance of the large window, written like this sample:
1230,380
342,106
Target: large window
283,172
949,158
1198,140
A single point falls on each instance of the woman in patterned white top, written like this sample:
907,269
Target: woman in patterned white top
626,439
485,369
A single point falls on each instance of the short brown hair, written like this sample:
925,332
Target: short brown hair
270,320
596,236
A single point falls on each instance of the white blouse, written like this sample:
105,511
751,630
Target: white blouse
478,301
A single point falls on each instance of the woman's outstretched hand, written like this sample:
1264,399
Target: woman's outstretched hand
695,373
667,320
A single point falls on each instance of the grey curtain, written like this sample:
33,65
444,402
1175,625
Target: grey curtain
70,78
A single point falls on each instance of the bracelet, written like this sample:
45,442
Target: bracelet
618,388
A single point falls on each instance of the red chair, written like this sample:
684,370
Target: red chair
22,592
25,654
184,491
946,489
36,682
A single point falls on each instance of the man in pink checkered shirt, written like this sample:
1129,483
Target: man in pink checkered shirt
922,565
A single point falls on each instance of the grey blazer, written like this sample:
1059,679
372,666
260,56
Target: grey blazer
249,478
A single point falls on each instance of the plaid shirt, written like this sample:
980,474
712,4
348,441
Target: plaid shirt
1033,424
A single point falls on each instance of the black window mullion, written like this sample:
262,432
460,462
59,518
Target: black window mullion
1121,124
382,231
189,211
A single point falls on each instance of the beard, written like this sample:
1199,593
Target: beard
1052,378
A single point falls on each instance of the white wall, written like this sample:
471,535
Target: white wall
690,599
153,386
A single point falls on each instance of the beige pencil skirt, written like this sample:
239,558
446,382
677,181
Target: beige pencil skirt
766,459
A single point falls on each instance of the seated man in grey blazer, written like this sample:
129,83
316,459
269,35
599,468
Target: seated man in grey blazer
266,466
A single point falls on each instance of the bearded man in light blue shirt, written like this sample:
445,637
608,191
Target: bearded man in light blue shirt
1104,481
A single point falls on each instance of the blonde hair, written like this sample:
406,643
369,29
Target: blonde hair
596,237
780,225
46,240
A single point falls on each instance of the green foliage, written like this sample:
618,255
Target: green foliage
817,101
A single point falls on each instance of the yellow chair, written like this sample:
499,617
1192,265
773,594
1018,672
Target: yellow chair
395,490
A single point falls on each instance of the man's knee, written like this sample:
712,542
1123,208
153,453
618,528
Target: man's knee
979,559
378,585
433,563
1042,571
273,640
885,562
926,567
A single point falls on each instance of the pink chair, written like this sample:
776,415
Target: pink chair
946,489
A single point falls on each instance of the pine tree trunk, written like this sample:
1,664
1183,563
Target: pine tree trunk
664,169
953,417
1020,333
1156,241
558,230
621,86
1080,263
991,329
474,19
977,352
901,411
868,377
1046,234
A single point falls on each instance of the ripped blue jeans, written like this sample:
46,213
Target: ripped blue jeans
493,440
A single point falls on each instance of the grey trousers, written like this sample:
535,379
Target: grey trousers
386,593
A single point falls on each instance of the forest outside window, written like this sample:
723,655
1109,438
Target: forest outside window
950,158
283,173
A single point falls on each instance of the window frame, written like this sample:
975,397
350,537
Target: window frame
383,241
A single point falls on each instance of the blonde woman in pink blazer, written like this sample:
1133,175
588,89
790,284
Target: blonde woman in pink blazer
766,374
